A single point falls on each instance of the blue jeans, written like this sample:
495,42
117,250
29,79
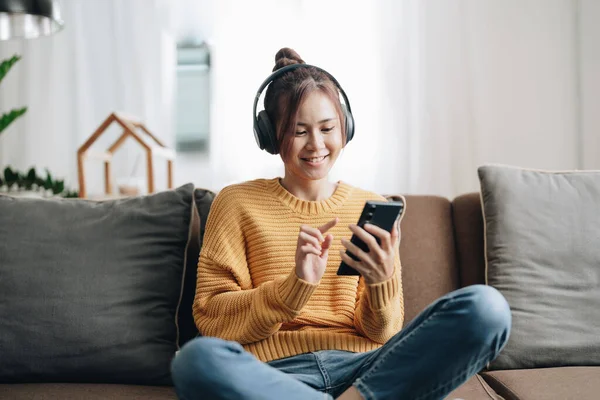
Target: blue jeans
450,341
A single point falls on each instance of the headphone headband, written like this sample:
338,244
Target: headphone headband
291,67
263,130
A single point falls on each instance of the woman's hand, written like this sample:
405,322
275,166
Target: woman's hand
377,265
312,251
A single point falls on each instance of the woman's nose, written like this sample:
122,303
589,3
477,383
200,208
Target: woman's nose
316,139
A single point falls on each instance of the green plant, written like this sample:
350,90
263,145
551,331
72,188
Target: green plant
12,115
33,182
29,181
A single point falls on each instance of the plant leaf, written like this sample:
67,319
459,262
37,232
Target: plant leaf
9,174
31,175
28,180
48,183
9,117
58,187
70,194
7,65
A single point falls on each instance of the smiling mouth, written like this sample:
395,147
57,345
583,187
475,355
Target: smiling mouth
315,159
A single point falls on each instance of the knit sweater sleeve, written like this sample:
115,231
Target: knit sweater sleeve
227,305
379,313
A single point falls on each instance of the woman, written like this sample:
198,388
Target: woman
278,322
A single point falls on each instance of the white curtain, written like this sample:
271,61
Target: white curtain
112,55
437,87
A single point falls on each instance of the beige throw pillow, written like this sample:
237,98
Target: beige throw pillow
542,233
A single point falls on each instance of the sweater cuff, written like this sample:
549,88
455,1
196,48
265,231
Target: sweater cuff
295,292
381,294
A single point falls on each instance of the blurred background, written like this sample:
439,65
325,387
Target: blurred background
437,87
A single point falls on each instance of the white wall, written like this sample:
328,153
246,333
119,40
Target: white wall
525,82
499,86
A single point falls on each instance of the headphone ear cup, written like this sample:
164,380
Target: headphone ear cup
349,123
266,133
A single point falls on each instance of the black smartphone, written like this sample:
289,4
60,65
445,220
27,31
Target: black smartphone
380,213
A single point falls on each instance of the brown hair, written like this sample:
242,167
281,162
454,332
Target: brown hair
286,93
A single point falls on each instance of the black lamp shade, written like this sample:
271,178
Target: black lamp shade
29,18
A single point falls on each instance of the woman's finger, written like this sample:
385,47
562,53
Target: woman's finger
355,250
384,236
395,234
326,245
312,232
329,225
365,236
327,242
306,238
309,249
357,265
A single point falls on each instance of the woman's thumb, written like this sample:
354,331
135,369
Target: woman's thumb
326,245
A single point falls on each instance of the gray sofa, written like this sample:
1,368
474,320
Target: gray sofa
442,249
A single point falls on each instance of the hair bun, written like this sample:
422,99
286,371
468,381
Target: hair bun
285,57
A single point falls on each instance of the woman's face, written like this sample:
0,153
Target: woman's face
317,141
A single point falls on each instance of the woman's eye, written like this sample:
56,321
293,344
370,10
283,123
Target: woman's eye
328,129
300,133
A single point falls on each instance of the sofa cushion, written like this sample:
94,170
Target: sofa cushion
474,389
62,391
565,383
89,290
543,255
187,327
427,251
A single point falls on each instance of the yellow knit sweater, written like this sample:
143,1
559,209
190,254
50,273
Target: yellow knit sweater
247,288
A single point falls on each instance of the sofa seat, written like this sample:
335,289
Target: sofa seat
66,391
474,389
565,383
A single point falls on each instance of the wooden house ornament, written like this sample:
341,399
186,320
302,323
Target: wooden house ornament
134,129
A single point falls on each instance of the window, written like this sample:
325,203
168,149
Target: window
193,97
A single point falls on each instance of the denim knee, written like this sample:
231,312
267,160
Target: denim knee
488,314
199,362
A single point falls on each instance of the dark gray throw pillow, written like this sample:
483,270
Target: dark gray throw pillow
542,234
89,290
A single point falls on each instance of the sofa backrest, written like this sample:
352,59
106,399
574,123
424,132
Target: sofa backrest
428,252
468,226
442,248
